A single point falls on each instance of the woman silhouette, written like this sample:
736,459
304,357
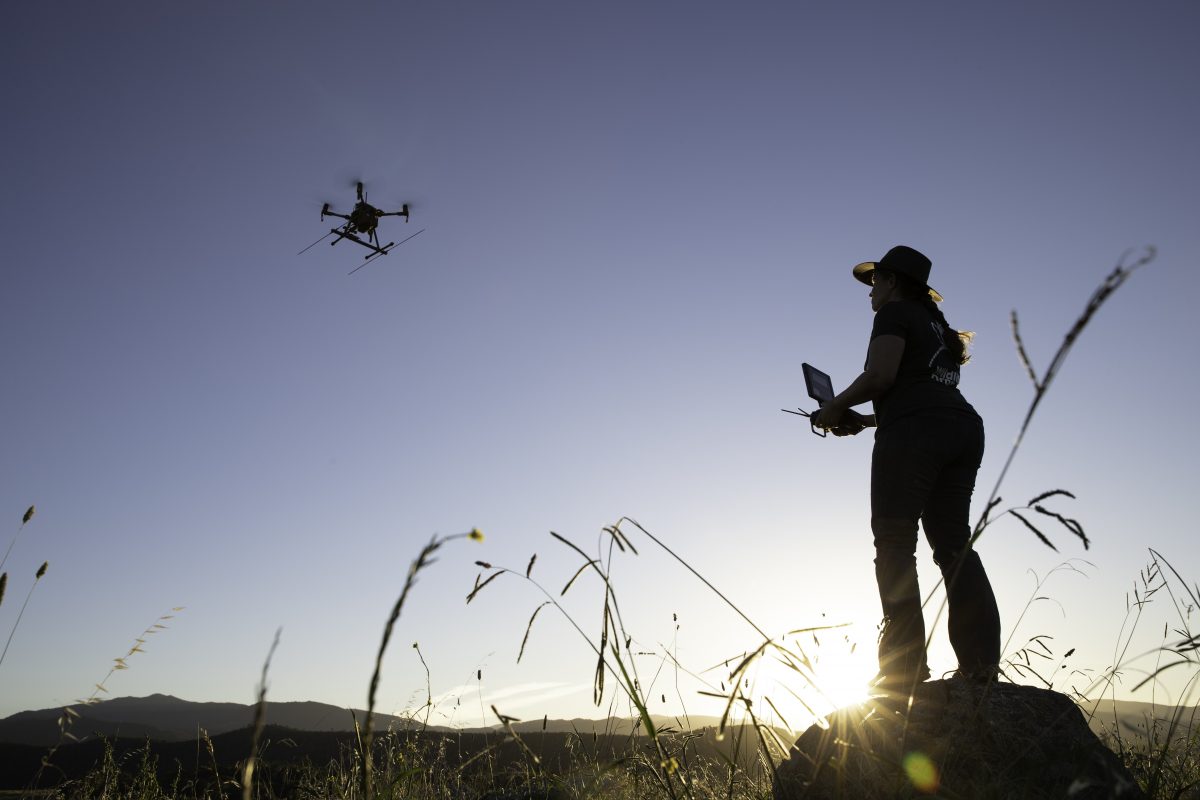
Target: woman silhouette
928,447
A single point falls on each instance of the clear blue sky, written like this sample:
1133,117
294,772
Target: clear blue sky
641,219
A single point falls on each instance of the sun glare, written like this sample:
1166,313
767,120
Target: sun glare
840,672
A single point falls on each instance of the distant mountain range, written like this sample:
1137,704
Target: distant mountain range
1133,719
165,718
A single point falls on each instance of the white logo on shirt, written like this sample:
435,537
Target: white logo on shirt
943,375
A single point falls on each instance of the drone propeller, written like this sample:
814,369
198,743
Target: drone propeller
345,182
354,181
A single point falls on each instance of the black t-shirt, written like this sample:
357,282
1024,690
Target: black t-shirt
928,373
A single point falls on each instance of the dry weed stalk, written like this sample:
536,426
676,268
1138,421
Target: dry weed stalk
423,560
36,579
1113,281
4,575
29,512
260,721
69,714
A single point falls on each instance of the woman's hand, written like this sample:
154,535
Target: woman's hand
829,415
833,416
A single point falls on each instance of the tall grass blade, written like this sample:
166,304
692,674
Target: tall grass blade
260,721
37,578
24,521
528,628
1035,530
423,560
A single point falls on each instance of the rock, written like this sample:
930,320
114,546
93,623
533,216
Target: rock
959,739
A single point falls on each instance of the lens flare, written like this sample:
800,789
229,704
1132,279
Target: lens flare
921,771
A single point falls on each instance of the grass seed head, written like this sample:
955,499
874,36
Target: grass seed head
41,570
28,515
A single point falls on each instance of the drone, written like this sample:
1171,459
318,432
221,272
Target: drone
361,226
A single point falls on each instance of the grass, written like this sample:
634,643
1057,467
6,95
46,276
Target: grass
736,760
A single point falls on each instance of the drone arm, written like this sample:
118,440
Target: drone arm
403,212
325,212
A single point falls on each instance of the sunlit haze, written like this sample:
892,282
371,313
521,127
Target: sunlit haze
638,220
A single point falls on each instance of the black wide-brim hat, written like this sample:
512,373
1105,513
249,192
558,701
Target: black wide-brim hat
903,260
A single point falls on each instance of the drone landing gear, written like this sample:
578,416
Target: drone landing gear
367,259
377,250
383,251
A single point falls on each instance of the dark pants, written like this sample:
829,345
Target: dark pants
923,468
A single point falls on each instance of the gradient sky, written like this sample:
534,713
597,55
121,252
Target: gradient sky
640,219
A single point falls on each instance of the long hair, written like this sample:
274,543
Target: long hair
956,341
